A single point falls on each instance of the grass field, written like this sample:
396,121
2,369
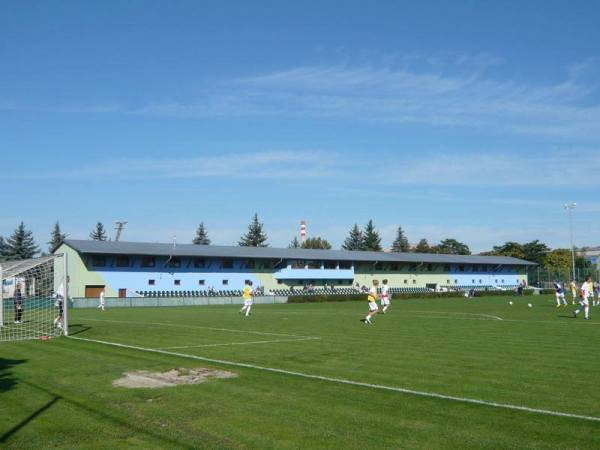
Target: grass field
312,376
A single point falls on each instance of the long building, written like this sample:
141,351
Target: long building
130,269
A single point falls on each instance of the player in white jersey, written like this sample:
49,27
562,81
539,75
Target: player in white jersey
560,294
102,304
586,293
384,296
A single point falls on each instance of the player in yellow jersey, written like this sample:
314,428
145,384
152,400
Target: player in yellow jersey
372,298
573,288
247,296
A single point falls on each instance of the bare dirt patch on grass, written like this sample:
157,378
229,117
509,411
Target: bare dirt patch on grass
173,377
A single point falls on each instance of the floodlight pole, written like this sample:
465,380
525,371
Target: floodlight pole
570,207
66,294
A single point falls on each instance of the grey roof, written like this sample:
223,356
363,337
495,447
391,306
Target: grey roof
222,251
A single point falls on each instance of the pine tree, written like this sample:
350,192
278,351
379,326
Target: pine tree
400,244
355,240
98,233
56,238
316,243
295,243
201,236
255,237
423,247
21,244
3,249
371,239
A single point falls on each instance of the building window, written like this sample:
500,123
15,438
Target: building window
279,281
199,263
122,261
330,265
502,281
414,281
225,282
227,264
405,281
177,282
475,268
495,281
313,264
151,282
429,267
412,267
472,281
175,263
394,267
446,267
98,261
250,264
148,261
345,265
455,281
447,281
479,281
298,264
461,268
201,282
247,281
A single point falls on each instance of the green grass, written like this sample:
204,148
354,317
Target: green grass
59,394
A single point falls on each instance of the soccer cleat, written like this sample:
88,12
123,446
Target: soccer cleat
587,318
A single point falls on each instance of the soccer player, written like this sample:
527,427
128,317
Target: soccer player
596,293
58,321
573,287
247,296
102,304
372,297
18,302
560,294
385,297
586,293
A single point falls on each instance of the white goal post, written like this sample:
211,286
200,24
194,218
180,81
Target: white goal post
34,298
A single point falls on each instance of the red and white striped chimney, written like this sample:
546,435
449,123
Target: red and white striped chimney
302,230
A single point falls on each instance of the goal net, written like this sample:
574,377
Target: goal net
33,298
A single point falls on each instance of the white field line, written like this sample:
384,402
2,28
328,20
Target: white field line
456,314
240,343
508,406
176,325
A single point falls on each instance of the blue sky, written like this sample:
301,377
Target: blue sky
453,119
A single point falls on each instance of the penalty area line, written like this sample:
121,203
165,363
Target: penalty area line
473,401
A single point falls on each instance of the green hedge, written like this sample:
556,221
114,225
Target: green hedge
400,296
325,298
501,293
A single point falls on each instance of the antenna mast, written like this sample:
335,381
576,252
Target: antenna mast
119,228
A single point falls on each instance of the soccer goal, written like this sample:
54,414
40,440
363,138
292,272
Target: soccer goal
34,298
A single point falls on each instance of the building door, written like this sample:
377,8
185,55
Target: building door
93,291
122,293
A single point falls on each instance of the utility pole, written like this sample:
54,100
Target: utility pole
570,207
119,228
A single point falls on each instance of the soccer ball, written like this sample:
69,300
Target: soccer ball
510,303
530,305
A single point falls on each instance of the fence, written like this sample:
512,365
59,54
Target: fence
129,302
540,277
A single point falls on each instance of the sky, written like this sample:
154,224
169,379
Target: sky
469,120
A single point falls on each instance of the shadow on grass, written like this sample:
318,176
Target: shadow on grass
77,328
7,381
24,422
156,438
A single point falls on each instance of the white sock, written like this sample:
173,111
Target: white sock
587,311
248,311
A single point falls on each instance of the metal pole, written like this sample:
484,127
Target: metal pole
66,294
569,207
